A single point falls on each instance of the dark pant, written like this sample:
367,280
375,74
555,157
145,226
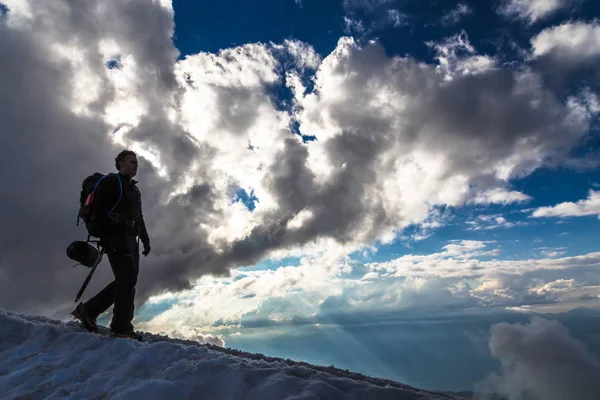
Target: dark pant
124,258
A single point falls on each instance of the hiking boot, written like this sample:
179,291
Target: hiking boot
85,318
127,335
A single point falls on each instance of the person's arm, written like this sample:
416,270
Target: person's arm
143,231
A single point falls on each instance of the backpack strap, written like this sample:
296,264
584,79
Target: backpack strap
98,182
120,197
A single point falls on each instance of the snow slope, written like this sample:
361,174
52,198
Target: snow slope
41,358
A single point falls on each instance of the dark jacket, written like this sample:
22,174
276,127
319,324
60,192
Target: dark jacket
118,223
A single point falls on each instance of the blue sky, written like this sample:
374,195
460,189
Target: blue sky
373,184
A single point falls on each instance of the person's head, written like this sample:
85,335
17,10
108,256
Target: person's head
126,163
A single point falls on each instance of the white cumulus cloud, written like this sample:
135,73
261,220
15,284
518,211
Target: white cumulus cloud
589,206
570,40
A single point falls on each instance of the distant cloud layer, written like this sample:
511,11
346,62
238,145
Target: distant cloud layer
463,275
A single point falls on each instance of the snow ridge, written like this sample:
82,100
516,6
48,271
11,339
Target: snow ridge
44,358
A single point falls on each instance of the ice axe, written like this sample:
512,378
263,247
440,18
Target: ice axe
87,280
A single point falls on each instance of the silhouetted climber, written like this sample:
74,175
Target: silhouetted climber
116,218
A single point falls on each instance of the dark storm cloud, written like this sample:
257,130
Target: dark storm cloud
339,206
489,113
46,149
562,75
475,120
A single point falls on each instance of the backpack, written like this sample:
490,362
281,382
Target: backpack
86,200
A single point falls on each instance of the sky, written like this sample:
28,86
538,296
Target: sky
316,176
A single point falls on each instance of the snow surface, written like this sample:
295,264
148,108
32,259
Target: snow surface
41,358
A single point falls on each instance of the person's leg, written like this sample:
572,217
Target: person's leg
89,311
124,265
100,302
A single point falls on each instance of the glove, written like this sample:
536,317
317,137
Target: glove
147,249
